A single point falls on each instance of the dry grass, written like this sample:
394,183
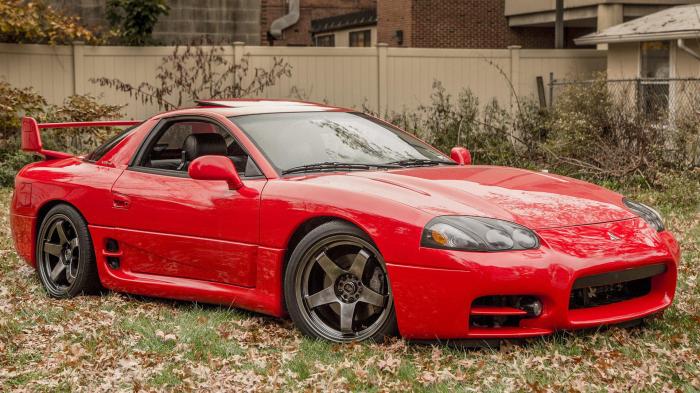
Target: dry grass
121,343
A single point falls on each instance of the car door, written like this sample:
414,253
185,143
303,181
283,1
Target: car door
171,225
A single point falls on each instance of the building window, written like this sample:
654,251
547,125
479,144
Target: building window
361,38
325,40
655,73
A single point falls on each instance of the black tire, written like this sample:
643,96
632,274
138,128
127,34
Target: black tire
355,301
63,234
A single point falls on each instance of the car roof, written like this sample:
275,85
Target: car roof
245,106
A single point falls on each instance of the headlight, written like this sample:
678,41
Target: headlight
477,234
647,213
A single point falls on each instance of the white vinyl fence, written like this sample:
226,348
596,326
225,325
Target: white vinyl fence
382,78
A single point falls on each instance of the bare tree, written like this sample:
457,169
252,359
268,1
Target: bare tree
196,72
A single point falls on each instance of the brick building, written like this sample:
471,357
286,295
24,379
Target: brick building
458,24
300,34
452,23
406,23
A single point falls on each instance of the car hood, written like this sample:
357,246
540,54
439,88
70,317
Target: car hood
534,199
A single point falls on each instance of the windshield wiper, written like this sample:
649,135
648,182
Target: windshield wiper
331,166
420,162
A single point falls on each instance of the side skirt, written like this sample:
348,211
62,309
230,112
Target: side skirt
265,297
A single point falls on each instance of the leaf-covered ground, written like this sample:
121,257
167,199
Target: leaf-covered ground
117,342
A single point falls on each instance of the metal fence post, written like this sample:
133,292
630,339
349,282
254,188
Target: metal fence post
382,83
551,90
78,67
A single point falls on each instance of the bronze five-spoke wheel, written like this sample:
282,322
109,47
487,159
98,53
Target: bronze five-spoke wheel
64,254
336,286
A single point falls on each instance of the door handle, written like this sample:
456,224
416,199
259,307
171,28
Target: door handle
120,201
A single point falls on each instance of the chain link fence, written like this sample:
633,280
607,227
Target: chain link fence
668,107
656,99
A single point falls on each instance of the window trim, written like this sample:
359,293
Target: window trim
157,131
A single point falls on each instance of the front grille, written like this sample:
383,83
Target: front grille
613,287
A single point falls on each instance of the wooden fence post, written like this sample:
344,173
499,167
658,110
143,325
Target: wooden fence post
78,67
382,83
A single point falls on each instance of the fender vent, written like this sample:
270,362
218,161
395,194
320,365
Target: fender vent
111,245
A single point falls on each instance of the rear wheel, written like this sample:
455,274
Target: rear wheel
336,286
64,254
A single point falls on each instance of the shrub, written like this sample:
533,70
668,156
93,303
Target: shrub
15,103
135,19
491,133
37,22
196,72
599,133
79,108
591,133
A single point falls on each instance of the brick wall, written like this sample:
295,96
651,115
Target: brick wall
300,33
219,20
459,24
393,15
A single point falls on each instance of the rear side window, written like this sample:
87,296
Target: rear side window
98,153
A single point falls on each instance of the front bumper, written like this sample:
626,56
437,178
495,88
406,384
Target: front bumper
435,302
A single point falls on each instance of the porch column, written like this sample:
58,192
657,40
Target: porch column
609,15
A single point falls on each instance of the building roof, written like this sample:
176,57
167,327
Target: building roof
345,21
669,24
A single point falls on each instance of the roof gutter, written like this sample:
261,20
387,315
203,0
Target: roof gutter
596,39
286,21
682,45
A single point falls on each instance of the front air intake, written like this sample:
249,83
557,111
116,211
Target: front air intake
503,311
613,287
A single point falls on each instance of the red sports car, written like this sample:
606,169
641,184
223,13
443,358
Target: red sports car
352,227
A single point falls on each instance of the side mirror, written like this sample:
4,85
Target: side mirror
461,155
215,168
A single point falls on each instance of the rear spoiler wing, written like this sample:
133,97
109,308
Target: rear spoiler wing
31,138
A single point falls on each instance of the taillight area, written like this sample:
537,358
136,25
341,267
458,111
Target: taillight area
503,310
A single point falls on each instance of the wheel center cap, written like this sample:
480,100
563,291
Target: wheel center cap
348,288
67,254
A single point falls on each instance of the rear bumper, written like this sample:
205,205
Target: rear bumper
435,303
23,235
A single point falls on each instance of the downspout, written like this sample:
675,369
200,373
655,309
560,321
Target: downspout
285,21
681,44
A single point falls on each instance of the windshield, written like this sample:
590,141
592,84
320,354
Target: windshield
291,140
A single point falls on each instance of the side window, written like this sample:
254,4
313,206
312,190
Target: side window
180,143
108,145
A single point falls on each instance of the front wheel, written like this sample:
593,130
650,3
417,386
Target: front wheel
336,286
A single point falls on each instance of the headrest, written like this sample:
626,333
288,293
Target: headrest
197,145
